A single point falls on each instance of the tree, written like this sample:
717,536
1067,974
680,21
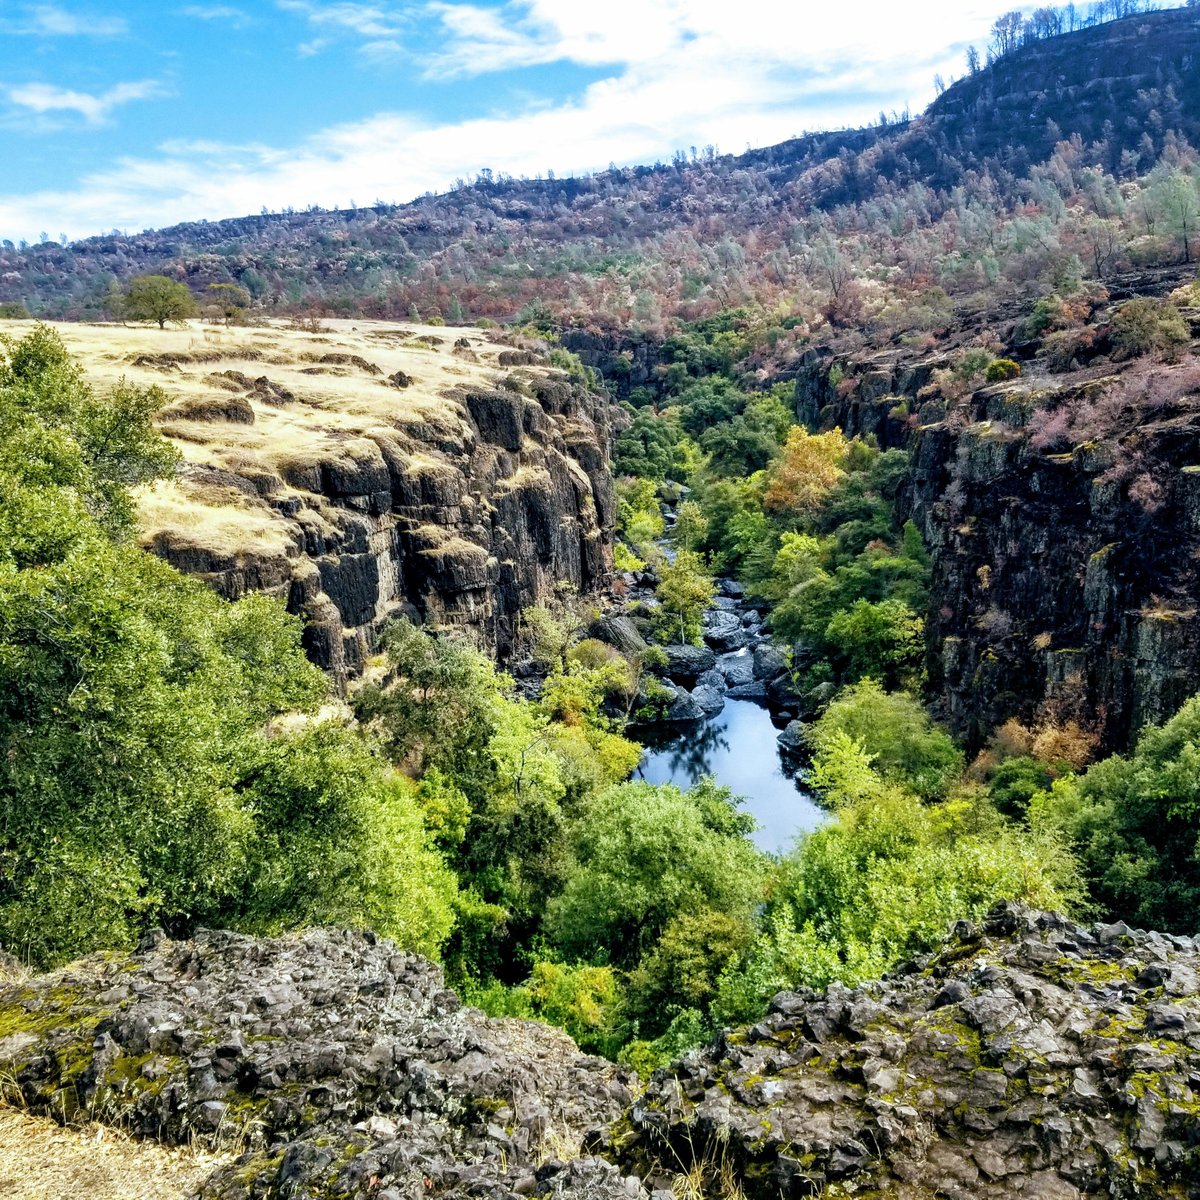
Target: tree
1176,198
157,298
1006,32
227,301
1133,822
691,526
904,744
138,781
685,590
647,854
884,640
809,468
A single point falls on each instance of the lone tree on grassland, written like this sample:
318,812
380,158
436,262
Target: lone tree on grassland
157,298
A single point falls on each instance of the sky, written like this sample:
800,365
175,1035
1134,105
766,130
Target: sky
144,113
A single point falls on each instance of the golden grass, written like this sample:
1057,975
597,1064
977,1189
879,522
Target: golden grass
40,1160
331,418
219,519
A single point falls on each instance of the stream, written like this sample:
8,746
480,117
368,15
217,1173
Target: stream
738,748
735,739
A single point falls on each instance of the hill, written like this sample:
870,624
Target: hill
644,244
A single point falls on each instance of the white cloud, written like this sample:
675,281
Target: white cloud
49,20
46,99
370,21
684,73
222,13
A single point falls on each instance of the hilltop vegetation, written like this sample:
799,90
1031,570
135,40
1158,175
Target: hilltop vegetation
1002,187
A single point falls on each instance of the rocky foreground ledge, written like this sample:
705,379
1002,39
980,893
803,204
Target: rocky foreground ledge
1030,1057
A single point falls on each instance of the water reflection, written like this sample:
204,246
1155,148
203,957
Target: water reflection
738,748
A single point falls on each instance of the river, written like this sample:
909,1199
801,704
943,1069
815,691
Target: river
738,747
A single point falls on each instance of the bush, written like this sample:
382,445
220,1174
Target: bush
1001,370
645,855
1147,325
895,732
1133,821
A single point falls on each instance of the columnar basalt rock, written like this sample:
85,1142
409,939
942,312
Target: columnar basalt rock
1028,1057
1064,581
474,490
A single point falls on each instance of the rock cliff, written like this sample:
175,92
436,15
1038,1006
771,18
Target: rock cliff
1029,1057
1062,516
371,469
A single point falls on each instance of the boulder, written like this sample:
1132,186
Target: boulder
710,699
1001,1067
732,589
791,740
713,679
620,632
769,662
685,664
736,668
684,707
782,693
348,1066
723,630
754,690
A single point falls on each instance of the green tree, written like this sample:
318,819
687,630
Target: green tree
885,641
691,526
228,301
55,433
645,855
159,299
1134,823
685,590
139,782
880,882
904,744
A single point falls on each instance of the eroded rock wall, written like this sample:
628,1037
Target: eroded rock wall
371,470
1062,588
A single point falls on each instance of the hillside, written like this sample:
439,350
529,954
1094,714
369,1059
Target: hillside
367,470
653,242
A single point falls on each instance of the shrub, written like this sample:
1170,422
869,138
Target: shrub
896,732
1001,370
1147,325
646,854
1133,822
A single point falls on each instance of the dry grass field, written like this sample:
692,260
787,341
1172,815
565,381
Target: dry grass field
270,402
40,1160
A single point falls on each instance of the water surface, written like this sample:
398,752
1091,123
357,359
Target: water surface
738,748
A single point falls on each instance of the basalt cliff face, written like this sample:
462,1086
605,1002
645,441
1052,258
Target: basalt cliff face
1028,1057
1062,516
369,470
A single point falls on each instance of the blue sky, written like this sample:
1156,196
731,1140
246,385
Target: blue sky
138,114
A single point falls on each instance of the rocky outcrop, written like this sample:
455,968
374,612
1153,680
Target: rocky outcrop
1063,588
342,1067
472,492
1064,579
1029,1057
